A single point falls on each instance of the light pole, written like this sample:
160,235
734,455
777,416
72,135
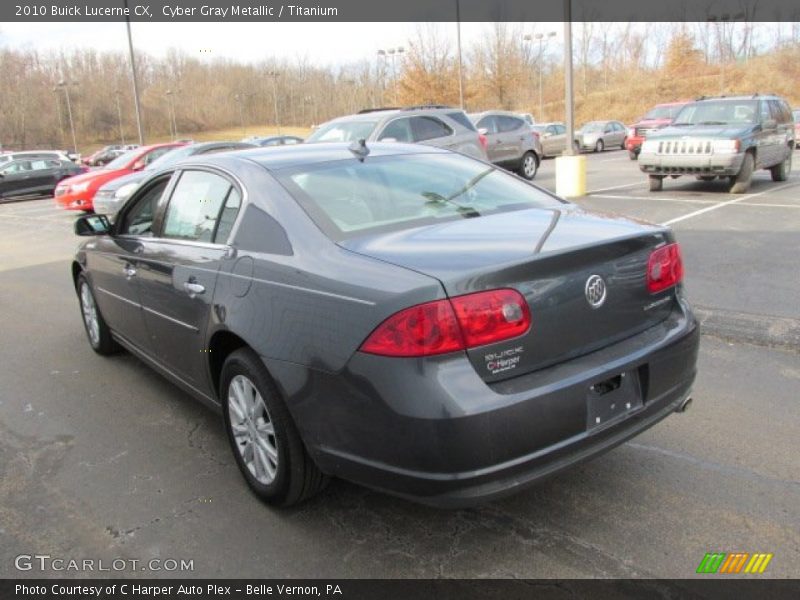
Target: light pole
60,116
460,64
394,52
723,19
542,39
274,76
381,73
134,78
119,116
173,122
65,86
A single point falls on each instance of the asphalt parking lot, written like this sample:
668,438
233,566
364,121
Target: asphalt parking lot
102,458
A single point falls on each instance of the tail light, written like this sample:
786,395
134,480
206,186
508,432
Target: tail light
664,269
450,325
484,142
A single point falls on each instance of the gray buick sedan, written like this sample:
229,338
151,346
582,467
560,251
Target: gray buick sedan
401,316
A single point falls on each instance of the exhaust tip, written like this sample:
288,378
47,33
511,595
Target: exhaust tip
684,406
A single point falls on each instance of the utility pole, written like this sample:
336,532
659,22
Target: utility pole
119,116
64,85
460,66
568,92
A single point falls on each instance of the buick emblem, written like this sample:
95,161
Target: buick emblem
595,291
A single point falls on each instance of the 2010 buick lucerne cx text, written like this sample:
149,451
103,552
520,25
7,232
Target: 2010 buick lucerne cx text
404,317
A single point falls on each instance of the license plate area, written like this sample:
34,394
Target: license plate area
611,399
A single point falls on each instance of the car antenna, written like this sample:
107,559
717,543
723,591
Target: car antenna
359,148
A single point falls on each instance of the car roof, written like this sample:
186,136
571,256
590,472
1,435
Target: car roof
739,97
287,157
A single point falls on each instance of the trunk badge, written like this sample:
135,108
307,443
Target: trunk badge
595,291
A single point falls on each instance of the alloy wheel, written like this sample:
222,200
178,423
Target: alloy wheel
253,430
89,310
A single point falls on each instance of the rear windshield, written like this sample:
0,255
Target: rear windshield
663,112
350,198
718,112
343,131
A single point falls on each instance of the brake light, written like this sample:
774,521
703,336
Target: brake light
450,325
664,269
484,142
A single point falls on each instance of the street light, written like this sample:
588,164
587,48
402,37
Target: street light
394,52
724,19
542,39
60,116
119,116
381,73
274,75
173,121
64,85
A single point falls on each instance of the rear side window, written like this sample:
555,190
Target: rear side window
398,130
462,119
489,123
560,129
429,128
509,123
349,198
195,206
228,216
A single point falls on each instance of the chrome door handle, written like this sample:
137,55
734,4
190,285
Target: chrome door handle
129,270
193,288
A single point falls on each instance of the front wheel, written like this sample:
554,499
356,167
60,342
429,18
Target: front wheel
265,442
599,146
97,330
741,183
528,165
781,172
656,183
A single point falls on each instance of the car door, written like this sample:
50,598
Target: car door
515,140
178,271
559,140
16,178
494,143
783,131
46,173
113,263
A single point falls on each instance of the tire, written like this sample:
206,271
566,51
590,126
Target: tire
741,182
633,155
281,473
656,183
781,172
599,146
97,331
622,145
529,165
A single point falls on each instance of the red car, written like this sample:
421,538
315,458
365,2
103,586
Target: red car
657,118
77,193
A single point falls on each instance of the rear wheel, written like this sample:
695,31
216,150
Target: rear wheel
656,183
96,328
633,155
622,145
599,146
529,165
741,183
263,436
781,172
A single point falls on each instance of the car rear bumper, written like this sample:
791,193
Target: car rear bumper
434,432
682,164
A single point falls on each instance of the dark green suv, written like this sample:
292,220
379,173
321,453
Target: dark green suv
726,137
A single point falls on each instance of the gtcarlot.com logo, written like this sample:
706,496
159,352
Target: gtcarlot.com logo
46,562
734,562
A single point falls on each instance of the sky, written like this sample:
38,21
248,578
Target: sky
323,44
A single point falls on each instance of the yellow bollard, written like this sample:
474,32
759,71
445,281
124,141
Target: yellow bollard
570,176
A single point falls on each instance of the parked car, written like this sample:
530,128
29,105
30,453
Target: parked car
112,195
656,118
511,142
77,193
796,117
725,137
599,135
107,153
33,154
34,175
434,125
398,315
553,137
274,140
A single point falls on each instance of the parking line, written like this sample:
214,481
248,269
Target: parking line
616,187
727,203
650,199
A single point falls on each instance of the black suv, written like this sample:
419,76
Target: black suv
726,137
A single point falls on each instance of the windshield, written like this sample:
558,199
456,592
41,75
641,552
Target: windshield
593,126
718,112
343,131
170,157
122,160
347,198
662,112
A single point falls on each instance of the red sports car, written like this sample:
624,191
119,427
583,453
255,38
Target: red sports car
77,193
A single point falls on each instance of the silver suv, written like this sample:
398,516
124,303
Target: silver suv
511,141
434,125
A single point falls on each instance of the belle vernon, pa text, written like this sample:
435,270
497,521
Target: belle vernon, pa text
135,589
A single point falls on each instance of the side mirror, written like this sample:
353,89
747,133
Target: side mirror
769,124
139,165
483,131
92,225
